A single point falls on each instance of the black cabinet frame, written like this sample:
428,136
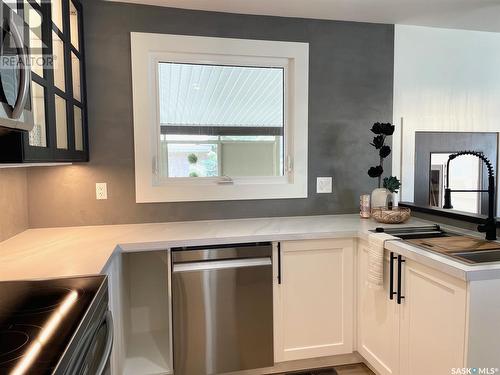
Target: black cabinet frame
14,146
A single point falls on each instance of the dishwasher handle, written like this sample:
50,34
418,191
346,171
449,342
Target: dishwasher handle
221,264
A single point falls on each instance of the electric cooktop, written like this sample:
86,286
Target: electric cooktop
38,320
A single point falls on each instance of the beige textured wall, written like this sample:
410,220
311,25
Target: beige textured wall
13,202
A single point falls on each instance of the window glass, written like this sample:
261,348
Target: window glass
78,129
73,23
34,21
218,120
57,17
38,136
58,51
61,123
192,159
75,69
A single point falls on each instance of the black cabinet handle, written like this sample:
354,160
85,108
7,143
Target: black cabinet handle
391,276
400,266
279,262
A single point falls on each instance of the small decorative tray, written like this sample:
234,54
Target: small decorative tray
395,216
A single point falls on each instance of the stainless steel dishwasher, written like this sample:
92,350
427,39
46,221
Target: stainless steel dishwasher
222,308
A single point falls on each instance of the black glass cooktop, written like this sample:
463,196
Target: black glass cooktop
38,319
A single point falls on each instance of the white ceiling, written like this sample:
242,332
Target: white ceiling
460,14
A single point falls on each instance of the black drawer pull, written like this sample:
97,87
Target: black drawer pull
279,262
400,266
391,276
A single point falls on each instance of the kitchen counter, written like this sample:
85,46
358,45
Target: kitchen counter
75,251
463,271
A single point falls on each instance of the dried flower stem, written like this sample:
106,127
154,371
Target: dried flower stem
380,177
382,165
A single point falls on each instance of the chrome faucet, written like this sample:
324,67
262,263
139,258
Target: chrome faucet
490,225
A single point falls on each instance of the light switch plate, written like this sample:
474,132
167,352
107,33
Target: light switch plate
101,190
324,185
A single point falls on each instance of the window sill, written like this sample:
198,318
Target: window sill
223,180
218,192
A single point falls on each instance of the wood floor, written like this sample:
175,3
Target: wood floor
338,362
357,369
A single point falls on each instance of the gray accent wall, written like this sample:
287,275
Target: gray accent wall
351,86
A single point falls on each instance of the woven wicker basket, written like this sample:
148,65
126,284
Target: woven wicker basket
395,216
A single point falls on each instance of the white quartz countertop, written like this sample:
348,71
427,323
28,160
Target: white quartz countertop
72,251
461,270
75,251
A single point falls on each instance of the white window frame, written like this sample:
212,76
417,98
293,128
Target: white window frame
148,50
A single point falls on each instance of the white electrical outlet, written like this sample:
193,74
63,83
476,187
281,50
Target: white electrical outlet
324,185
101,190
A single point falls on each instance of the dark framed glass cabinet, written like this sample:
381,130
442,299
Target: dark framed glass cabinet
58,92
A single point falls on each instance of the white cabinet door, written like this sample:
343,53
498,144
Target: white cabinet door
314,302
378,319
433,321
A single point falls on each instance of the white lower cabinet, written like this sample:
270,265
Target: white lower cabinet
378,320
425,333
313,298
433,321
